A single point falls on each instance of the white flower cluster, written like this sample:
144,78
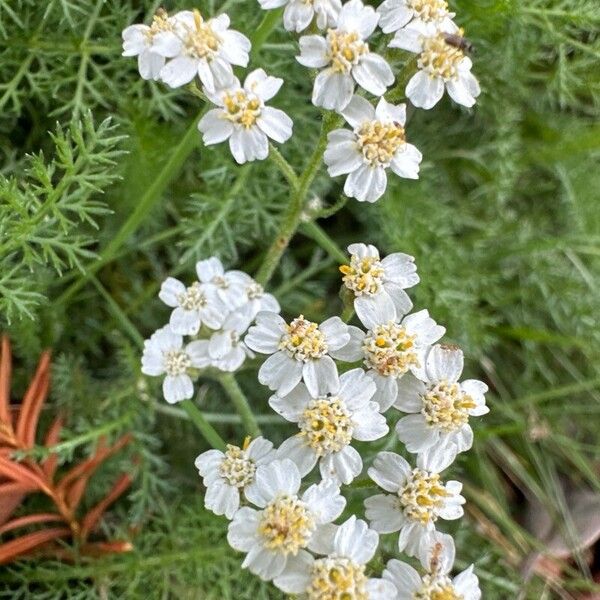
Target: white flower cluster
287,530
177,49
215,310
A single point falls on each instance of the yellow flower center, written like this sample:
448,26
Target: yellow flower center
177,362
255,290
390,350
437,587
345,48
303,340
379,141
363,275
202,41
286,525
439,58
193,298
160,22
237,468
327,425
429,10
422,496
337,578
446,406
242,108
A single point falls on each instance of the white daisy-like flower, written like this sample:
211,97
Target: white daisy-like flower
152,44
287,522
193,306
442,65
378,284
328,424
392,349
441,406
206,48
377,142
257,299
230,286
244,120
437,557
417,499
340,573
345,58
229,474
225,350
298,14
300,350
396,14
164,354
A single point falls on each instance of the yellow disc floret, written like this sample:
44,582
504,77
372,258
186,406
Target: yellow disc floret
390,350
326,425
241,107
160,23
422,496
439,58
363,275
429,10
303,340
201,41
437,587
193,298
446,406
286,525
337,578
378,142
176,362
344,49
237,468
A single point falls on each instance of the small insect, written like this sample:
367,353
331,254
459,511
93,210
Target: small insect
458,41
436,553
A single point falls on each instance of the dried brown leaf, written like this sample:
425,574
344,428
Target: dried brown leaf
24,544
52,438
30,520
5,369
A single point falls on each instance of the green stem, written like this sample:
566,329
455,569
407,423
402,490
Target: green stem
320,236
240,402
284,166
204,427
266,26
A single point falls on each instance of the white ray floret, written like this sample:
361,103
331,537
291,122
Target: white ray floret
165,354
256,300
205,48
287,523
299,14
229,474
417,499
378,284
440,406
437,558
244,120
434,14
230,286
345,59
152,44
300,350
376,143
328,424
340,573
442,66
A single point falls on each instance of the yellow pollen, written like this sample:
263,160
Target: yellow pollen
446,406
389,349
422,496
378,142
345,48
160,22
337,578
202,41
303,340
437,587
237,468
429,10
363,275
242,108
326,424
286,525
439,58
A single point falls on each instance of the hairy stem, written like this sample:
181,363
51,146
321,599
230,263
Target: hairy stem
204,427
240,402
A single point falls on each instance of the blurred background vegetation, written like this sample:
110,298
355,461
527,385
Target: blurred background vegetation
504,224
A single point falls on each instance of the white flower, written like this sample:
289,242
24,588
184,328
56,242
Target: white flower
377,142
442,65
392,349
164,354
299,14
230,286
441,406
287,522
396,14
228,474
341,572
378,284
151,44
418,498
345,58
437,557
225,350
328,424
204,48
243,119
300,350
257,300
193,306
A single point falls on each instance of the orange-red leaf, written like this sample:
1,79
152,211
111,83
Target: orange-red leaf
18,472
32,402
95,514
52,438
30,520
10,550
5,368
